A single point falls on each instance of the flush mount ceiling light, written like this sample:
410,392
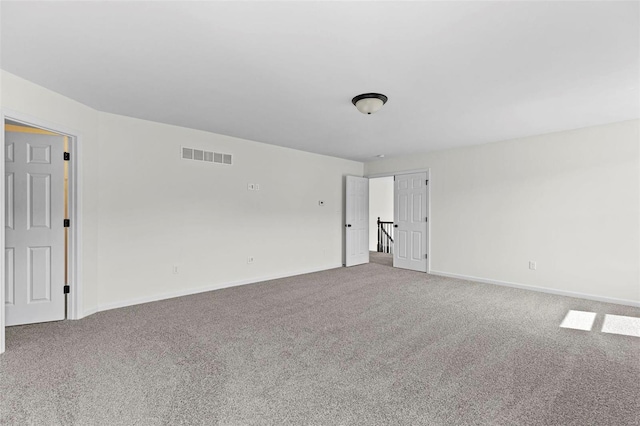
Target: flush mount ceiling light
368,103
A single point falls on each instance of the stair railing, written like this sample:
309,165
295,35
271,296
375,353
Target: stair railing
385,242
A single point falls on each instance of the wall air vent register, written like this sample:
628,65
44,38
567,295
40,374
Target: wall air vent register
206,156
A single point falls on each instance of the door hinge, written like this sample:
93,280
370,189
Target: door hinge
67,156
66,289
67,223
427,182
426,256
426,219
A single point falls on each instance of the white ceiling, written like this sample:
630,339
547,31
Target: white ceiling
284,73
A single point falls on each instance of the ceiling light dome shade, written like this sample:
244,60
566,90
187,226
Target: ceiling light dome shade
368,103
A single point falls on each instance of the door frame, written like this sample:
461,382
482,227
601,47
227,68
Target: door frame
75,213
408,172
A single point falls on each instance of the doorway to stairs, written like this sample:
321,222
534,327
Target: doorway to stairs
381,220
370,234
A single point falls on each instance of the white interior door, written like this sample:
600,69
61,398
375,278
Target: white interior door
357,221
34,228
410,222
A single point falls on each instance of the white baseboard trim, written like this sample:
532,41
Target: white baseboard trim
87,312
211,287
539,289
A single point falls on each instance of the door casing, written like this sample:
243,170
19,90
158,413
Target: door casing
75,213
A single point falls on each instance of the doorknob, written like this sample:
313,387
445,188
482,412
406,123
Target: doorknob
395,226
348,226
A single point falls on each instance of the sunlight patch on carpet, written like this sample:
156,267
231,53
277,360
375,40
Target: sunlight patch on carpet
618,324
579,320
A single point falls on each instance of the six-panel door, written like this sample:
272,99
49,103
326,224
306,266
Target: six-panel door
357,221
34,229
410,222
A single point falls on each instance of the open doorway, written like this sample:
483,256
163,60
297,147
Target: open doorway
399,220
40,269
387,220
381,220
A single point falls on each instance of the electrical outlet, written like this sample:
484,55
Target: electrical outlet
176,269
251,186
257,187
250,259
532,265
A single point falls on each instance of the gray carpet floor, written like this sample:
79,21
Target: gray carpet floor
368,345
385,259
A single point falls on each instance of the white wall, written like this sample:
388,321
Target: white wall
380,206
157,210
145,209
568,200
24,97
